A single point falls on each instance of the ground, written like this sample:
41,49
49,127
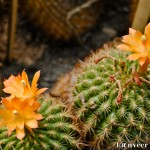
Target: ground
56,58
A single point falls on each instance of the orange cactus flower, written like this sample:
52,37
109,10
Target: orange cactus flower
18,86
16,115
139,44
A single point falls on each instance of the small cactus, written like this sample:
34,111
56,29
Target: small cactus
29,122
57,130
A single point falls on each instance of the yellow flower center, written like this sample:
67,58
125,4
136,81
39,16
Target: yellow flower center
143,38
15,112
23,82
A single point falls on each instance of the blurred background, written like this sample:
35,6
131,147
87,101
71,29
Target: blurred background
52,35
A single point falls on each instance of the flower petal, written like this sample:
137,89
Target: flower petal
17,85
124,47
131,31
34,81
16,103
41,91
142,60
9,132
6,103
11,126
20,123
8,81
31,123
6,115
134,56
25,78
138,37
1,123
39,117
147,31
35,105
20,133
11,90
133,42
27,102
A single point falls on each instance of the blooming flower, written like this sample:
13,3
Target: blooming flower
18,111
18,86
139,44
16,115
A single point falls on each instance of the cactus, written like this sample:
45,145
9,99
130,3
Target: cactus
56,131
109,93
111,99
112,105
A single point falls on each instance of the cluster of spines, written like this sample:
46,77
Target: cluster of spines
58,130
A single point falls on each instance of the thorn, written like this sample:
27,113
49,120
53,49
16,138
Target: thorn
99,59
136,78
129,81
54,95
144,80
122,65
119,96
112,78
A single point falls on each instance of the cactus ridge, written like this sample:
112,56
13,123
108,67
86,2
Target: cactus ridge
113,107
56,131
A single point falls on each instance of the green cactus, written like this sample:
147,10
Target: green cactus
111,99
57,131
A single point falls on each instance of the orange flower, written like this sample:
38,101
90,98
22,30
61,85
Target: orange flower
16,115
139,44
18,86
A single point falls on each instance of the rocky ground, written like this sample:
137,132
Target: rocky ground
57,58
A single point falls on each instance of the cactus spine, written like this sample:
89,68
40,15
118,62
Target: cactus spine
56,131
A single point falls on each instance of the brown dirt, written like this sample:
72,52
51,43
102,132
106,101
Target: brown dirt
34,51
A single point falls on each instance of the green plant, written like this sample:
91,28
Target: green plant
57,131
111,99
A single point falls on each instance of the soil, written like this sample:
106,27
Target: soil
58,57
